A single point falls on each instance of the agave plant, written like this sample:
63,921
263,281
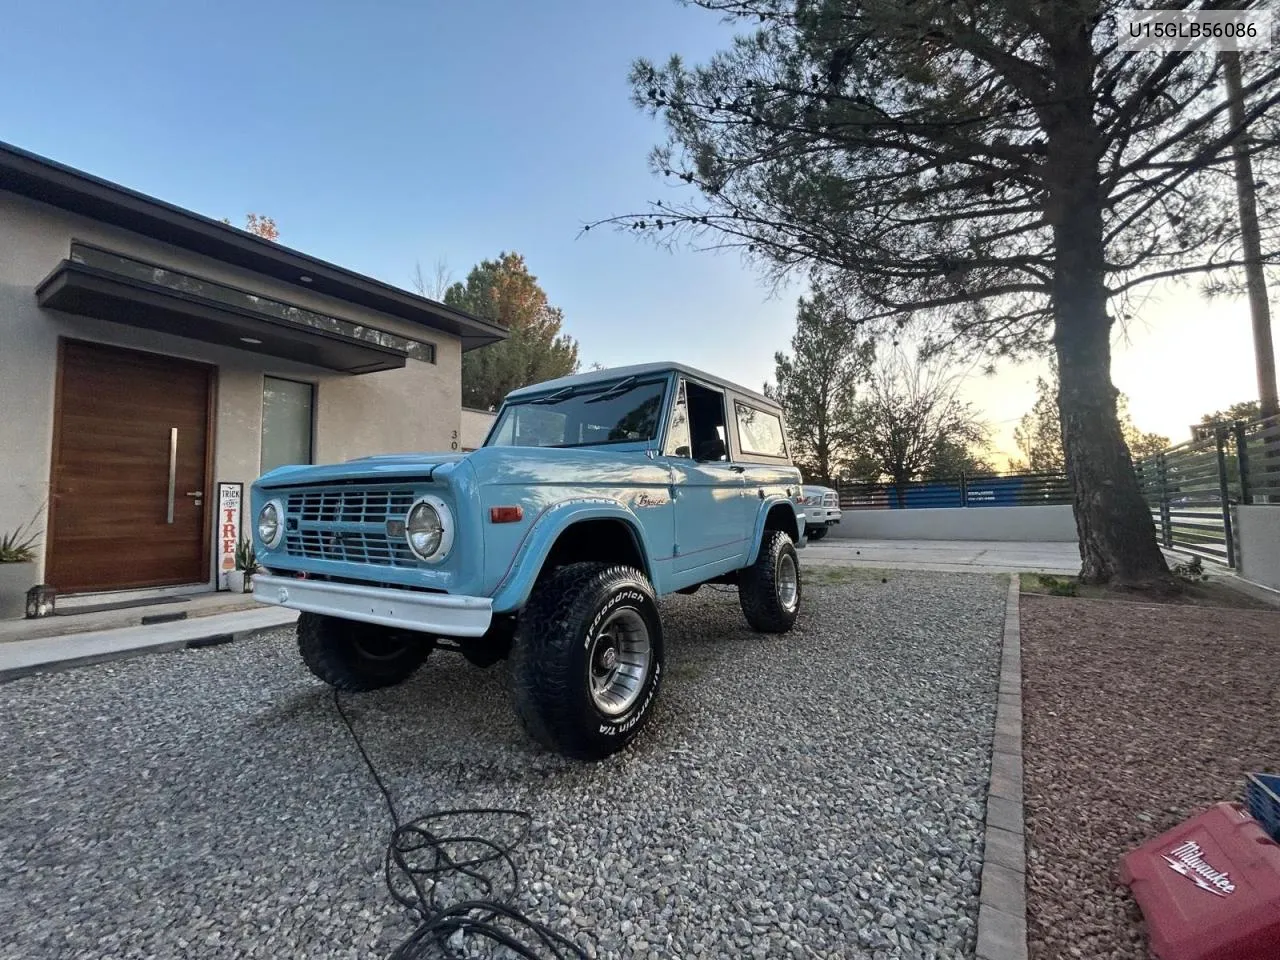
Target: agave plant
19,546
246,558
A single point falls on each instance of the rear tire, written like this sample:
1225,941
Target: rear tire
769,589
817,533
354,657
586,664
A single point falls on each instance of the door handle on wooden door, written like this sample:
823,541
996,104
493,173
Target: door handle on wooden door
173,469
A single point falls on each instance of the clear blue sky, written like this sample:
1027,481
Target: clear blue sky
384,133
378,134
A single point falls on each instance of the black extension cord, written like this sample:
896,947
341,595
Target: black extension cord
420,860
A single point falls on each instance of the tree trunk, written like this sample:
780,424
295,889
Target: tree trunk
823,455
1251,241
1116,532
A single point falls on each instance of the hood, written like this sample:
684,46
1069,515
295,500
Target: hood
391,467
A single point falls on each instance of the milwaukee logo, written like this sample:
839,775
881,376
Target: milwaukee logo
1188,860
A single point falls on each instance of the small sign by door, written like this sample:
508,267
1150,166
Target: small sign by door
229,497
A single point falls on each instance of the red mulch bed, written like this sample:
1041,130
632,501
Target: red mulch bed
1136,716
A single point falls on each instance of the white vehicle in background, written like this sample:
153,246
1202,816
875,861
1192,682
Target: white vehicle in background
821,510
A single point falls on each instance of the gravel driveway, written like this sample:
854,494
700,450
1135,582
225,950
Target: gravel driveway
813,795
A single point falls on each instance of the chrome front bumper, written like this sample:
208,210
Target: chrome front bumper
442,614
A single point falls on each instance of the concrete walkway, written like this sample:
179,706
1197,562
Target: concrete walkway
76,617
20,658
948,556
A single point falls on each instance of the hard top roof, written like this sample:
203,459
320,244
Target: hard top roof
638,370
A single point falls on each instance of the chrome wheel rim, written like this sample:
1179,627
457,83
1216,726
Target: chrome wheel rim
618,661
788,581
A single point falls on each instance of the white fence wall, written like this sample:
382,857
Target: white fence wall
1054,523
1257,531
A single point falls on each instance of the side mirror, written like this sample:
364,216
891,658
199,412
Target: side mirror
712,450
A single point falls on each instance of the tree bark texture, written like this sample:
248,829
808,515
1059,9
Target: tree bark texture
1116,532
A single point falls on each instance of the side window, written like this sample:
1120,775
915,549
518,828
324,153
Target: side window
759,431
707,424
678,442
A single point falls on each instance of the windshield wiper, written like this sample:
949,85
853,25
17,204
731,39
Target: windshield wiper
562,394
619,388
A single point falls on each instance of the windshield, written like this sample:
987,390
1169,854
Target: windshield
624,411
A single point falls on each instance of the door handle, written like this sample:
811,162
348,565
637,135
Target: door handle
737,468
173,469
195,493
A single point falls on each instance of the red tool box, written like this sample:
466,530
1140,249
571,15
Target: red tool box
1209,888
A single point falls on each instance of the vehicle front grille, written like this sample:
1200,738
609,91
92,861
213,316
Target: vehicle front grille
350,504
348,524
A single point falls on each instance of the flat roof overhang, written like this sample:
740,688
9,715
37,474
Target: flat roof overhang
91,291
58,185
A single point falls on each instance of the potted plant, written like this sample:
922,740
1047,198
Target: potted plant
246,566
17,570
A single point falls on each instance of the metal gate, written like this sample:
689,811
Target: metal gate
1192,487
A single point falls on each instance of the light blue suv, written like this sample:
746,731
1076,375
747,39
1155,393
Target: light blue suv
592,495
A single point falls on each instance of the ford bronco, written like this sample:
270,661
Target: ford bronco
592,495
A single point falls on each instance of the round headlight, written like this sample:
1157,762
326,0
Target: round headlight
269,523
424,530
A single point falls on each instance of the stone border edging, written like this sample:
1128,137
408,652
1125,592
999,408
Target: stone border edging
1002,911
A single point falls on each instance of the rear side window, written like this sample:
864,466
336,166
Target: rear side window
759,431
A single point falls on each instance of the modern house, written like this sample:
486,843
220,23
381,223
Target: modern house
153,362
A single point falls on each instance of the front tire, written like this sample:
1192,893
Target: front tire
817,533
769,589
355,657
586,664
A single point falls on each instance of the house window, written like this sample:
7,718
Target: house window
759,432
288,409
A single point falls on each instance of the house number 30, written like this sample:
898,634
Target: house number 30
453,445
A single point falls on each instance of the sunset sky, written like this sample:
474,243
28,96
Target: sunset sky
382,135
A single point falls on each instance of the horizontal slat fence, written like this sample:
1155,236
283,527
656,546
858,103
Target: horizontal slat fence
1011,490
1192,487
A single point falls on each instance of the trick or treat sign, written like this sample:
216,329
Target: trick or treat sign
229,496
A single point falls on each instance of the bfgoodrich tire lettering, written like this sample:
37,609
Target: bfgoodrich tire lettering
769,589
576,615
353,656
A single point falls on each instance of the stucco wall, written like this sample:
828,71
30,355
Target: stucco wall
1257,530
414,408
475,427
1053,523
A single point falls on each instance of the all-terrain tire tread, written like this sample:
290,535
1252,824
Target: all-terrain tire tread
539,658
758,588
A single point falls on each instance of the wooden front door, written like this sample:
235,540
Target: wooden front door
130,470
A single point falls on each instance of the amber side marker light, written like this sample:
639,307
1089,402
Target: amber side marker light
506,514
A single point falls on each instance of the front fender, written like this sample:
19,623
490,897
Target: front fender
762,516
516,584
